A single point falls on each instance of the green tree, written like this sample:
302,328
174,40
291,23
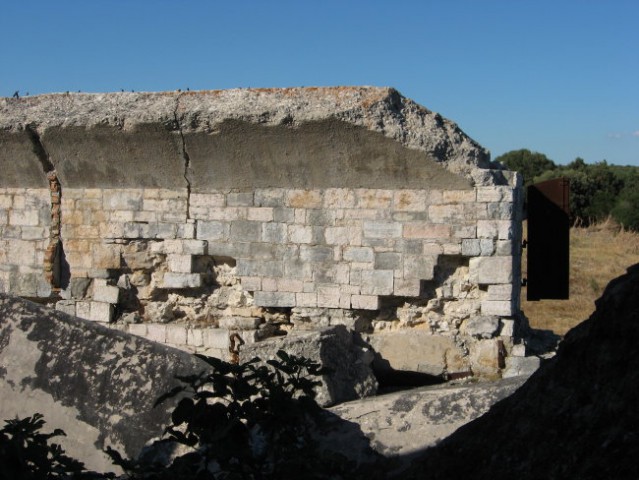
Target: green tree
528,164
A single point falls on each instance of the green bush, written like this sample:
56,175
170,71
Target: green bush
251,421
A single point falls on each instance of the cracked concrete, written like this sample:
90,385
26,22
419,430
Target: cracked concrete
185,155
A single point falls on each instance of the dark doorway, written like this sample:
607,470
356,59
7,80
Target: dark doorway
549,240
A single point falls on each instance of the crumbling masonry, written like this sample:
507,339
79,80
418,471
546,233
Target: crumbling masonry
184,217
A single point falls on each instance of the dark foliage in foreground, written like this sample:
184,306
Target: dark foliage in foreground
250,421
27,454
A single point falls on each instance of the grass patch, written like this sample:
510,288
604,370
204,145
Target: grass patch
598,254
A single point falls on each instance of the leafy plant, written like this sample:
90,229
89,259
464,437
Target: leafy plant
26,453
256,420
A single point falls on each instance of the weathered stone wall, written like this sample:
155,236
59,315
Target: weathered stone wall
265,212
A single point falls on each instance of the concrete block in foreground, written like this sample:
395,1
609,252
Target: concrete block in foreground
97,384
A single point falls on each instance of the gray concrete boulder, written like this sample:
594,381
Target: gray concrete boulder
335,347
97,384
399,424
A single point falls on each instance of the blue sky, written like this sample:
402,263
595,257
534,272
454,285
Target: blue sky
560,77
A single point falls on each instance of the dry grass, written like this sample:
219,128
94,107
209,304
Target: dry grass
597,255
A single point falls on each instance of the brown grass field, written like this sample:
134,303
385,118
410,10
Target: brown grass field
598,254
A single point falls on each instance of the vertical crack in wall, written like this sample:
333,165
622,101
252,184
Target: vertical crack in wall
54,254
38,149
185,156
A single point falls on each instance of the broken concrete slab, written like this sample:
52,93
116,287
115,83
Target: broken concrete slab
335,347
402,423
97,384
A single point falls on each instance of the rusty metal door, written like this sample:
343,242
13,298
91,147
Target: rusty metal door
549,240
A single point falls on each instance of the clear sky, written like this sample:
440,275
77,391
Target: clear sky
556,76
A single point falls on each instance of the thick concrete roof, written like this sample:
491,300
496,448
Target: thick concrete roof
365,137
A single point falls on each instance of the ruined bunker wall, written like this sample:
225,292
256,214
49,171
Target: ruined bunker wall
177,208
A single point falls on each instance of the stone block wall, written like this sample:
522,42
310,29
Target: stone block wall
25,218
187,217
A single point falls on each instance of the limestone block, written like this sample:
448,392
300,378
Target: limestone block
274,232
274,299
388,261
66,306
306,299
239,199
497,307
23,217
106,293
105,256
83,310
192,247
411,350
358,254
452,249
138,329
377,282
251,284
426,230
21,252
484,326
316,254
487,247
31,233
240,323
245,231
182,280
179,246
419,267
186,230
343,236
260,214
373,198
365,302
100,312
495,194
504,247
486,358
516,366
212,230
289,285
215,338
499,211
122,199
470,247
446,213
406,288
260,268
499,292
300,234
491,270
518,350
410,200
207,200
336,198
195,337
180,263
382,229
176,334
156,332
304,198
328,296
507,328
459,196
495,229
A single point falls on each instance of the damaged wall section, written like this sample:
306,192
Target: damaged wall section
187,222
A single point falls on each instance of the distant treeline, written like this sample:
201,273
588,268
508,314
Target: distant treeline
597,191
